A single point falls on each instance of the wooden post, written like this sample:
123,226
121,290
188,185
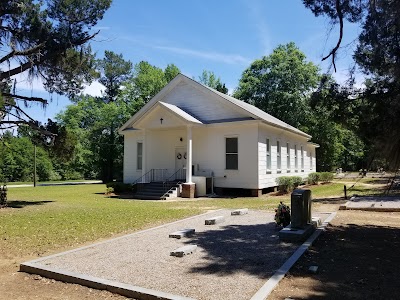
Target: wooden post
34,168
345,192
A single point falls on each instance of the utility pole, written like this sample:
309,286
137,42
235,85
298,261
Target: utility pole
34,168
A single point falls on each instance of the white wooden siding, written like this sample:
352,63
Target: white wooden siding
198,104
269,180
130,154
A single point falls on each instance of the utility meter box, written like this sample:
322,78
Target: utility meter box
300,208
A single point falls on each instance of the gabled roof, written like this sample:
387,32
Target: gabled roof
180,113
245,108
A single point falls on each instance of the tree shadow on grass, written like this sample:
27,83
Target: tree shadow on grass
355,262
22,204
254,249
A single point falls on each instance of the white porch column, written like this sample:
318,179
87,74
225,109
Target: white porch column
189,155
144,155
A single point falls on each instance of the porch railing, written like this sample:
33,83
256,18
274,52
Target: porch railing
176,178
152,175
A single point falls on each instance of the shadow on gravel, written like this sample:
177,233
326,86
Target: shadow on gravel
254,249
355,262
22,204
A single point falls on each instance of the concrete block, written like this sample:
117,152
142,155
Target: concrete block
182,233
238,212
214,220
289,234
317,221
185,250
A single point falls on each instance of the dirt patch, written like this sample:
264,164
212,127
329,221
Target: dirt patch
17,286
357,258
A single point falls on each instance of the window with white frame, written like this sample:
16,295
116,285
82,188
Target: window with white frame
268,153
139,157
302,158
296,162
231,153
278,155
288,157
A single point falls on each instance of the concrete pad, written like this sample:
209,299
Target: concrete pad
183,251
373,203
214,220
239,212
182,233
290,234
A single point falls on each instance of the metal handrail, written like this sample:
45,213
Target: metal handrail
173,177
167,183
150,176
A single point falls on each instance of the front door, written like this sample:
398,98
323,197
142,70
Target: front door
180,158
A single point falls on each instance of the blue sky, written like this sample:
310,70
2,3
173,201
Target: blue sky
222,36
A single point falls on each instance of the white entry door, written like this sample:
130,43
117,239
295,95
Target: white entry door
180,158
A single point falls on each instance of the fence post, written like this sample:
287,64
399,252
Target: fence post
345,191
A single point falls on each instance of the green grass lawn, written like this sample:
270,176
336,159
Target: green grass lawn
50,218
46,182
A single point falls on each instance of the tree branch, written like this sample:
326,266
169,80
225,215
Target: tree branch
333,51
30,124
34,99
15,52
20,69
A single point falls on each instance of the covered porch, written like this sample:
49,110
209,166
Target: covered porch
164,150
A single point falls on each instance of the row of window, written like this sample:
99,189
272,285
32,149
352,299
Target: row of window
232,155
231,158
288,158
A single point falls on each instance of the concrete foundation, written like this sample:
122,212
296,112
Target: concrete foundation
256,193
290,234
188,190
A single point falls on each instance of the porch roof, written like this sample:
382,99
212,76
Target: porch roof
174,110
180,113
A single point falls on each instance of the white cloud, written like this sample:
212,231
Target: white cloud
215,56
95,89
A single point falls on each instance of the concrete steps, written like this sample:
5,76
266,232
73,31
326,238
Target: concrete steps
156,190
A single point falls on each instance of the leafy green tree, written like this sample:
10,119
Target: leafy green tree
170,72
17,162
208,78
99,150
280,84
48,39
114,71
378,56
146,82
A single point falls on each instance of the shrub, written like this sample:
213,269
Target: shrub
109,190
285,184
119,187
297,180
282,215
313,178
326,176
